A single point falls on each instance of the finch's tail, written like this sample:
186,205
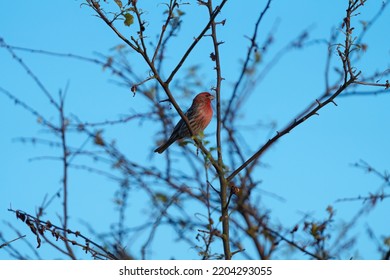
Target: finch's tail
164,146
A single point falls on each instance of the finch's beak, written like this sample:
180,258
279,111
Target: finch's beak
211,97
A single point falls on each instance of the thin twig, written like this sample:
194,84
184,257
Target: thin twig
195,42
246,62
13,240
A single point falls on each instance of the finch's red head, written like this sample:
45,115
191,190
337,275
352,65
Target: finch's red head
203,98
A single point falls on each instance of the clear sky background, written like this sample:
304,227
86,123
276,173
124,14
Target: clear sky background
309,168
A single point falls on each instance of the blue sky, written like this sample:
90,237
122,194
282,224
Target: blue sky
309,168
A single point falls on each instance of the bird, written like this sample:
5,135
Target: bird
199,116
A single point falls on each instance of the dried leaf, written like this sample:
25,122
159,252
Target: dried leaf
48,224
129,19
134,89
161,197
119,3
38,241
257,56
20,216
99,139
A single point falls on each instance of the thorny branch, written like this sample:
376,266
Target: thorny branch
290,127
39,227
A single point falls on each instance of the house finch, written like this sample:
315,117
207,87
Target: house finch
199,116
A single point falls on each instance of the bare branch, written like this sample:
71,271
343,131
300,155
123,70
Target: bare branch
247,59
290,127
13,240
